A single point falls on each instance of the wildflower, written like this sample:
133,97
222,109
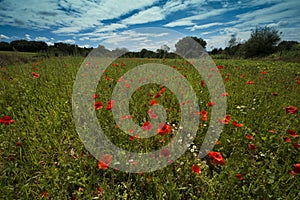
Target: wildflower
251,147
239,176
164,153
220,67
127,85
296,169
35,75
196,169
95,96
211,103
99,190
225,94
105,161
226,120
235,124
6,120
162,90
109,105
151,114
263,72
216,157
287,139
131,138
153,102
157,95
249,82
98,105
147,126
249,137
291,109
164,128
293,133
202,83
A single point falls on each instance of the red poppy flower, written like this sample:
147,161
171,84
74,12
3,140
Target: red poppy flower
275,94
19,143
6,120
163,129
151,114
196,169
291,109
204,113
98,105
225,94
220,67
153,102
127,85
105,161
249,137
157,95
133,137
293,133
251,147
99,190
297,168
235,124
239,176
202,83
147,126
226,120
296,146
287,139
263,72
250,82
211,103
35,75
165,153
110,104
216,157
162,90
95,96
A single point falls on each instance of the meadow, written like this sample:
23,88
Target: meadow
43,157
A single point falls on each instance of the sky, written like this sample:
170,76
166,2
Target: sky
137,24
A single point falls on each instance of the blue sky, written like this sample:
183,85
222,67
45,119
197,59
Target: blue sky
125,23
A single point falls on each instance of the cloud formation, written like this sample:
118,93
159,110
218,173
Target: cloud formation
102,20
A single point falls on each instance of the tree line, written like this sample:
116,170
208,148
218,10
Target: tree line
262,42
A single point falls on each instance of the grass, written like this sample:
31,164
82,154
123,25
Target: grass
52,162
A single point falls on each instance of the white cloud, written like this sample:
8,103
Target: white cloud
3,37
85,46
204,26
204,14
278,12
50,43
27,37
137,39
41,38
110,27
150,15
68,41
68,16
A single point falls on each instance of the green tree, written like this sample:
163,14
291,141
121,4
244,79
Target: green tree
262,42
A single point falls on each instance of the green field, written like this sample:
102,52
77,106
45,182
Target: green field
43,157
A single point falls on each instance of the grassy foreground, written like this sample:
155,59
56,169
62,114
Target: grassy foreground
42,156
